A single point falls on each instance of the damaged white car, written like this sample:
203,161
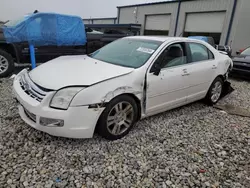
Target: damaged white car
123,82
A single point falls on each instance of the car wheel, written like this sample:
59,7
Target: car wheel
6,64
118,118
215,91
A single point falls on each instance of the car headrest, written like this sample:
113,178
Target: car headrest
175,51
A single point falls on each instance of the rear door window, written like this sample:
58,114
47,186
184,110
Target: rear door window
199,52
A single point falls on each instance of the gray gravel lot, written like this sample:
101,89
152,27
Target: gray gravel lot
193,146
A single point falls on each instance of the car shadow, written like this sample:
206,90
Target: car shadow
239,78
19,68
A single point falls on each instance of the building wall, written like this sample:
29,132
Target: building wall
205,6
104,21
100,21
138,14
87,21
240,34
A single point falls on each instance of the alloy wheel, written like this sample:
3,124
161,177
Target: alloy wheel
3,64
216,91
120,118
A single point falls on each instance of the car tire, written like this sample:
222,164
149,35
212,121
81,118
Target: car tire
6,64
118,118
214,92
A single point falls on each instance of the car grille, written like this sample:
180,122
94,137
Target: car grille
31,89
30,115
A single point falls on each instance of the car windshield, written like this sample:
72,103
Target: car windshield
246,52
13,23
127,52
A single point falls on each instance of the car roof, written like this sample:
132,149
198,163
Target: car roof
164,38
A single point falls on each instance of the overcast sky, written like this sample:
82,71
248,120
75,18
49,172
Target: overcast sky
11,9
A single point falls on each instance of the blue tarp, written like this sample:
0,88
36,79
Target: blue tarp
42,29
199,38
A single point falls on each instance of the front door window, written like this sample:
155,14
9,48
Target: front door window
174,55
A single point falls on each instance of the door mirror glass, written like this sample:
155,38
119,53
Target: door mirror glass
238,52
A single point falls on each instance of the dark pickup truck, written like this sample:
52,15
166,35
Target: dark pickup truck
19,53
11,53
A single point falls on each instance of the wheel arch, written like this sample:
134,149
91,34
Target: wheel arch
10,49
218,76
221,77
133,96
207,98
137,101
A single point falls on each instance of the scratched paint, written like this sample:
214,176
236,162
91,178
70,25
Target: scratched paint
120,90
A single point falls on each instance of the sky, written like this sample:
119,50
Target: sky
13,9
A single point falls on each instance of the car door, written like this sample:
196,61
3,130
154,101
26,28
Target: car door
43,53
167,89
202,70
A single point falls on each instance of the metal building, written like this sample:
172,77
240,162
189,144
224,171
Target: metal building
100,21
225,20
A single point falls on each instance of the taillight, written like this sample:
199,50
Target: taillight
241,50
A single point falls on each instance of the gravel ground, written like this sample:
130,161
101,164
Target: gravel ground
193,146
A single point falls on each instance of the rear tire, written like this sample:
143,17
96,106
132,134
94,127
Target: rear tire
214,92
118,118
6,64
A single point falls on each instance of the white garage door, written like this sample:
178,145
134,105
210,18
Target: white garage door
205,22
158,22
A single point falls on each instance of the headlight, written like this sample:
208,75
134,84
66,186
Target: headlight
63,97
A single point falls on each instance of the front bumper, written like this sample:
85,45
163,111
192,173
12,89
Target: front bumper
79,122
240,73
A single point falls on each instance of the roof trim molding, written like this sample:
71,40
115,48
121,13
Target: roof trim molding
110,18
154,3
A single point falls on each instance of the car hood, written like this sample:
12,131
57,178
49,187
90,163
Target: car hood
242,58
78,70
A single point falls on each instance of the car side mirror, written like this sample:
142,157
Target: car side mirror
238,52
88,30
157,69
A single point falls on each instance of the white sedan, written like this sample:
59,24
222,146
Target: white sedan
111,89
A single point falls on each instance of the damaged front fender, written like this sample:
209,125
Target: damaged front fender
119,91
97,96
112,94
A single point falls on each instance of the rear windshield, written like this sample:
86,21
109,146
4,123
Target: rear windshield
127,52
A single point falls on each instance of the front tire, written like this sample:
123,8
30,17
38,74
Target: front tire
215,91
6,64
118,118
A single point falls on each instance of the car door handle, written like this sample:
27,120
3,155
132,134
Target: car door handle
185,72
214,67
29,48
